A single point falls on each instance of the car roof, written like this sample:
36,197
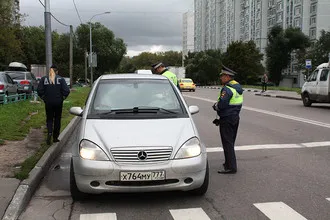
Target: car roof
132,76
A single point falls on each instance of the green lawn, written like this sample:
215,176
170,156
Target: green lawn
298,90
16,119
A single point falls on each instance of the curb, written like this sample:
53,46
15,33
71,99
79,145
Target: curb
279,96
28,186
254,90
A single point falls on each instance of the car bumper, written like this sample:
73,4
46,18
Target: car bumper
107,174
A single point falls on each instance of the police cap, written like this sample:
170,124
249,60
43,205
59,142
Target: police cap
54,67
156,65
227,71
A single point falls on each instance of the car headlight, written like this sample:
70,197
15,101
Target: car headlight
91,151
192,148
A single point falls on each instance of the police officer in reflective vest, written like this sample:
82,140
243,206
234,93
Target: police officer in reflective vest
228,108
52,89
159,68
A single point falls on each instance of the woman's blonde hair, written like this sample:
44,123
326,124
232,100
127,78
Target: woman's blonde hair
52,76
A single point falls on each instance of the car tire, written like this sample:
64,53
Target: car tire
306,100
76,194
194,90
203,188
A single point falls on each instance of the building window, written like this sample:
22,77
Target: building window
313,8
312,33
279,17
297,22
279,6
297,10
297,1
313,20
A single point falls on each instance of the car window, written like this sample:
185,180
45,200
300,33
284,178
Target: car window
9,79
313,76
3,78
127,94
187,80
17,75
29,76
324,75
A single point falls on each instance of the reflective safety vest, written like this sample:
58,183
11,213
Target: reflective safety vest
236,99
171,76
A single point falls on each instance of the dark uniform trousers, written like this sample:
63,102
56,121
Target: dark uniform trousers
228,131
53,114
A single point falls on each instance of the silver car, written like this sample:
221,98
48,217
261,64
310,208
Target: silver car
137,134
7,86
27,82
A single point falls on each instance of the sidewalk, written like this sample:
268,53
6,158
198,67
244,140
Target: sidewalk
268,93
15,194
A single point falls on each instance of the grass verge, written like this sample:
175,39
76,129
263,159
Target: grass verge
297,90
17,119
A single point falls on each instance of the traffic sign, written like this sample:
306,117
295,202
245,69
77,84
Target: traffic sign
308,64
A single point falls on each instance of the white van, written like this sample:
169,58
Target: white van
316,89
143,71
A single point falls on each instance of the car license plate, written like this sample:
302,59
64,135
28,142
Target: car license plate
26,87
142,176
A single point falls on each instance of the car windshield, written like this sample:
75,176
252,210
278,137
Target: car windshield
134,96
187,80
17,75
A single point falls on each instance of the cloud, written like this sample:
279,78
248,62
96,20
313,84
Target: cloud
145,25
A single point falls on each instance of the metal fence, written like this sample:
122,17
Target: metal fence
4,99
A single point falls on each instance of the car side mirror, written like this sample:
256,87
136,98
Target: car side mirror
193,109
77,111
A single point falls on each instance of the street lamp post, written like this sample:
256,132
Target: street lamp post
90,44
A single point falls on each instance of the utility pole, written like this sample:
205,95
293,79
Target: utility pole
91,52
48,35
71,54
86,58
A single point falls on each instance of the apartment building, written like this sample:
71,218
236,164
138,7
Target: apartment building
188,33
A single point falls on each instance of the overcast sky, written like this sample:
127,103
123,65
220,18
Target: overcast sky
145,25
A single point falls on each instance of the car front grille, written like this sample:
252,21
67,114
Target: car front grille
148,154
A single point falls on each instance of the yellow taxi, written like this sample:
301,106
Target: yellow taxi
187,84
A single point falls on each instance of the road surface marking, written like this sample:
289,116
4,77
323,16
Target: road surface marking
278,211
317,123
189,214
272,146
101,216
328,199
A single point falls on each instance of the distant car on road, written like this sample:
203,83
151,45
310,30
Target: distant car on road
27,82
187,84
67,80
316,89
7,85
137,135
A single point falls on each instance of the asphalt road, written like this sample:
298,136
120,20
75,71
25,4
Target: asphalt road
291,182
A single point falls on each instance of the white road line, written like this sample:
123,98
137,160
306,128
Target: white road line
317,123
189,214
328,199
272,146
101,216
278,211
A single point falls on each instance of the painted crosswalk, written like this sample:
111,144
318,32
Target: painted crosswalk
272,210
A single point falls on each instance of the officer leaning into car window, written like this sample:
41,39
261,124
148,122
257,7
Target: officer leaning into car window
159,68
228,107
52,89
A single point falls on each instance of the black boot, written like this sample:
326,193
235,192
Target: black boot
49,136
55,138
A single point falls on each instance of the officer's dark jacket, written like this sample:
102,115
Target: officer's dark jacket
53,93
224,108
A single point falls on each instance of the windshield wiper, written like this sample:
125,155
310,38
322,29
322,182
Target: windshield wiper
138,110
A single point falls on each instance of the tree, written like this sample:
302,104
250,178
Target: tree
110,50
126,66
204,67
281,45
245,59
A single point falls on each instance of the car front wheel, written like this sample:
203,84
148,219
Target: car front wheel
306,100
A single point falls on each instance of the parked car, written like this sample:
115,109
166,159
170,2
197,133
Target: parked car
7,85
137,135
27,82
187,84
67,80
316,89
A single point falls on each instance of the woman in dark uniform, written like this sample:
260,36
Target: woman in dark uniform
52,89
